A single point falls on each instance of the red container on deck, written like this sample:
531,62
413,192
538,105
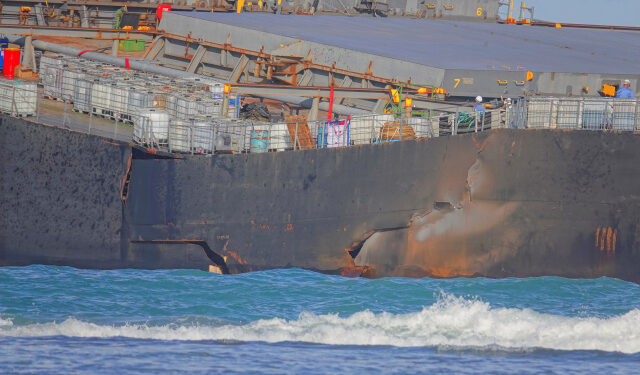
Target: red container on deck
162,8
11,60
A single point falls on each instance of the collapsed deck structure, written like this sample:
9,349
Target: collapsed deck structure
463,58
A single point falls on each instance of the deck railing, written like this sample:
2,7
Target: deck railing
575,113
210,134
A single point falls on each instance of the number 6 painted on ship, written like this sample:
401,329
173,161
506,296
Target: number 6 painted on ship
479,12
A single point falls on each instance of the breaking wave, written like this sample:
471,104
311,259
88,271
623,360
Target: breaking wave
450,322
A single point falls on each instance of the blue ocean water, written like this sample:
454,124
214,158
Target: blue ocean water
65,320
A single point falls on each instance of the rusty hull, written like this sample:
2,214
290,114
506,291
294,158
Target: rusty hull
497,204
503,203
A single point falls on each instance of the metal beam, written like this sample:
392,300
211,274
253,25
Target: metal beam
238,69
313,111
29,55
197,59
275,62
132,6
309,91
346,82
307,78
157,45
76,32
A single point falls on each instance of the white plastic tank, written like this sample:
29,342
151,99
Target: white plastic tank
152,127
170,105
186,107
82,95
51,75
18,98
119,98
364,129
70,77
26,95
51,79
101,97
180,136
208,107
138,99
217,91
279,138
202,136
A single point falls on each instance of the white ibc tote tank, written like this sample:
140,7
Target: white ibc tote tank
180,136
202,136
152,126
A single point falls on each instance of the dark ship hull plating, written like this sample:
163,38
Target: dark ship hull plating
497,204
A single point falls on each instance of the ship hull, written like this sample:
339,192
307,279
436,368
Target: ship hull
497,204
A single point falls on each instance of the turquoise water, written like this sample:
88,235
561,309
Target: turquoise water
61,319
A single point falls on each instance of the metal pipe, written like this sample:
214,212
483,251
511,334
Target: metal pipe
149,67
339,109
107,59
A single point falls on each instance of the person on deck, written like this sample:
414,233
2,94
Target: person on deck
478,107
625,91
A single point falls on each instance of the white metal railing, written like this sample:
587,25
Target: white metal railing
576,113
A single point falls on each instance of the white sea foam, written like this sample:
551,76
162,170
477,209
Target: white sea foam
451,322
5,322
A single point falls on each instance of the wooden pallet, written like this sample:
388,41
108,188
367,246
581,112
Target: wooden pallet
298,124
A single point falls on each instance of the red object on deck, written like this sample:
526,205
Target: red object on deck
331,104
11,60
162,8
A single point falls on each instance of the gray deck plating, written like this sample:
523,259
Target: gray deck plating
465,58
455,44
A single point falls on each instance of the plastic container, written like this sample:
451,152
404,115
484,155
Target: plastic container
119,99
4,43
337,134
161,9
217,91
11,60
51,79
101,98
18,98
152,127
82,95
70,78
180,137
321,140
202,137
139,99
131,45
259,141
